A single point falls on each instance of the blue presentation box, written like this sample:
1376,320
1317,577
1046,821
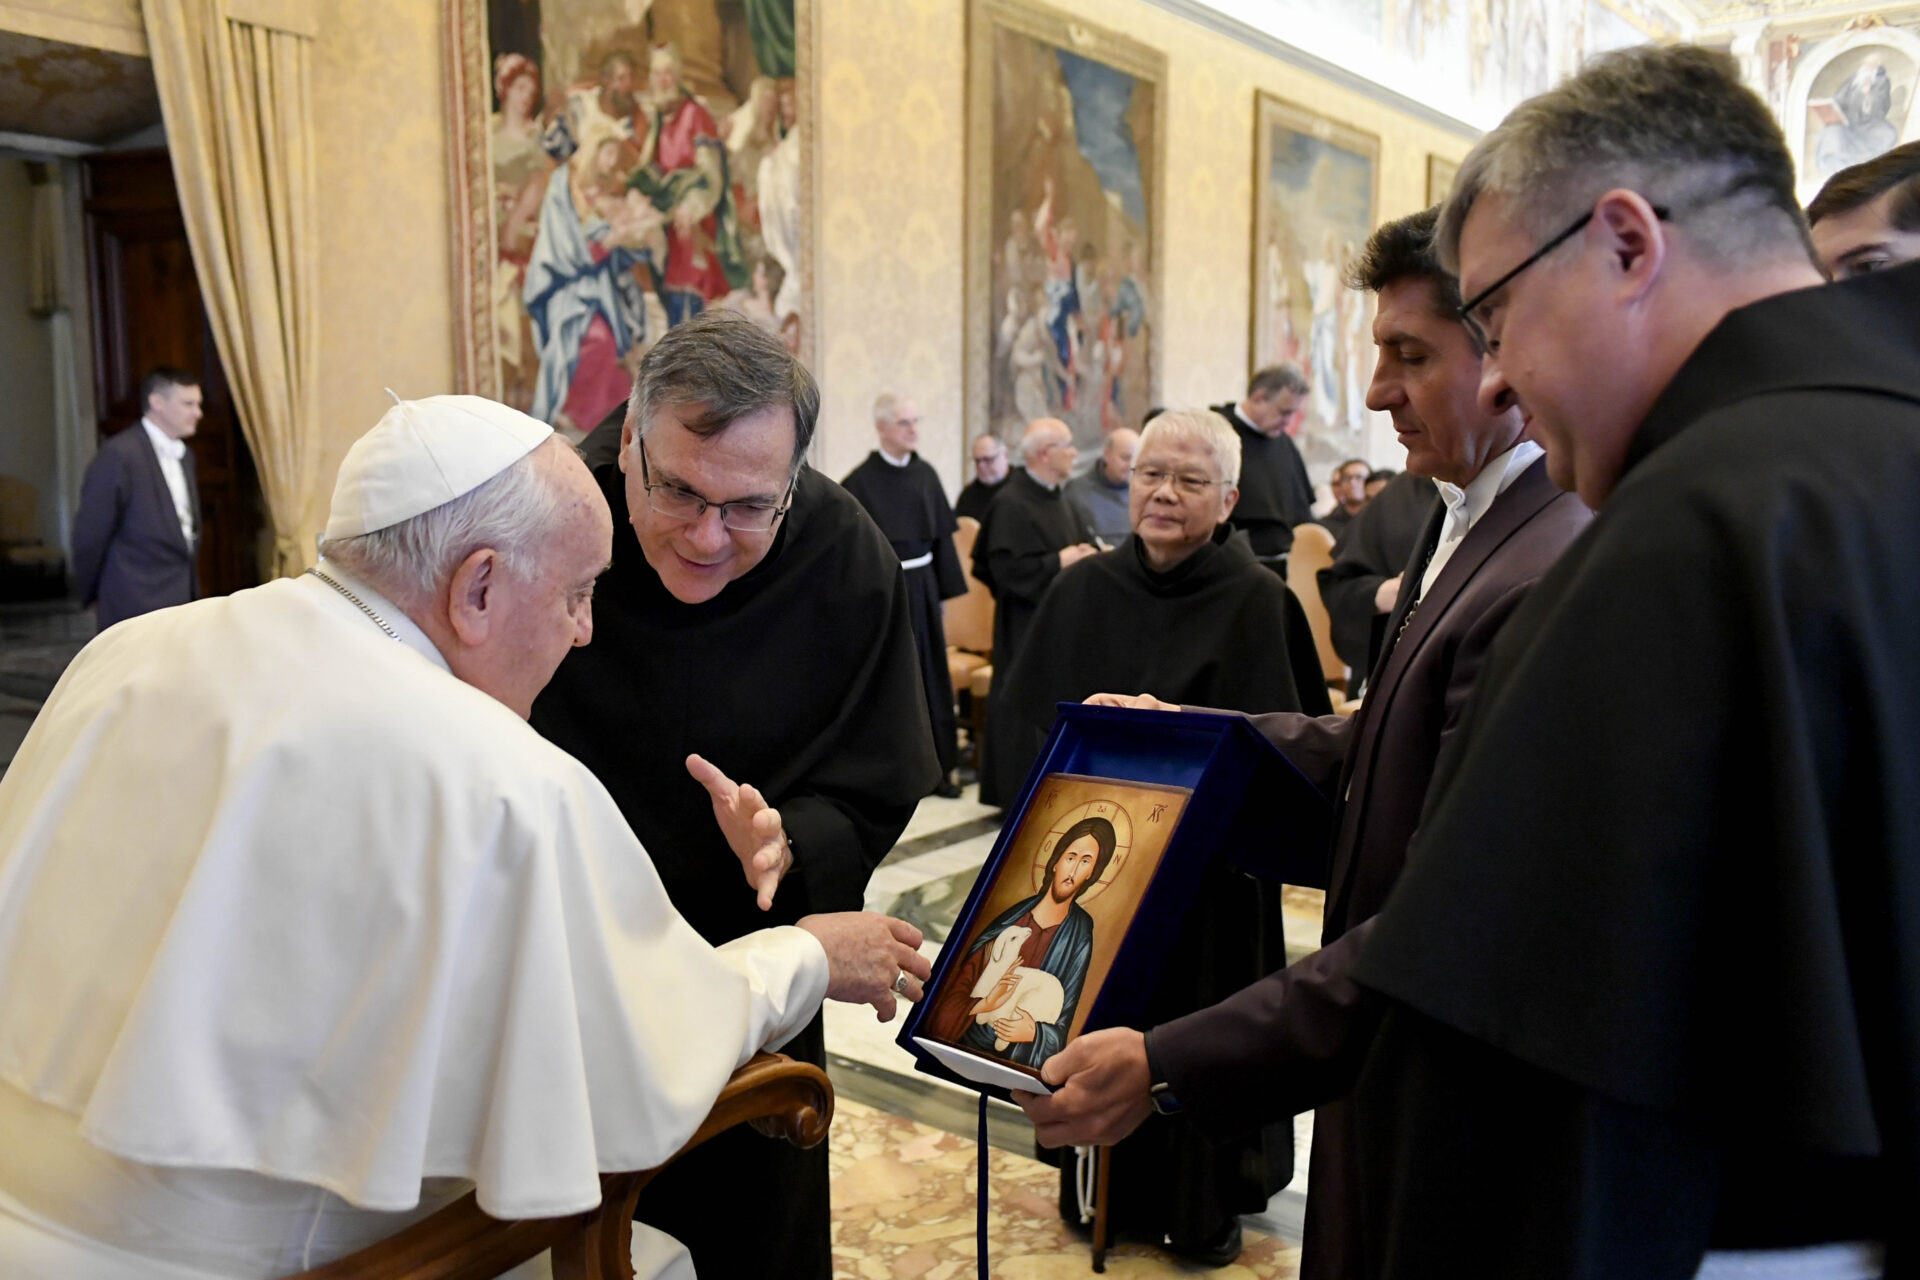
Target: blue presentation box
1246,805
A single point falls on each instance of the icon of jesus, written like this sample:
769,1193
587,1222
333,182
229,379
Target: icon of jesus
1014,994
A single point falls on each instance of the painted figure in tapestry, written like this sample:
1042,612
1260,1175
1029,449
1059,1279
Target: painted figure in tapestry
658,175
1015,993
1071,336
1315,206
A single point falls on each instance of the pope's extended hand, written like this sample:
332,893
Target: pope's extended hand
1138,701
1100,1091
752,827
866,953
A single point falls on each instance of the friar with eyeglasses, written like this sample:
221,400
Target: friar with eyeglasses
753,704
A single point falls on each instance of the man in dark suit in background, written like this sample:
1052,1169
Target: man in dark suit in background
137,532
1290,1041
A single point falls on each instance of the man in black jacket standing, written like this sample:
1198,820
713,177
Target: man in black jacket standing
137,531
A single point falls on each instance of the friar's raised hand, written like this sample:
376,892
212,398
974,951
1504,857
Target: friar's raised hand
871,959
1100,1093
1137,701
752,827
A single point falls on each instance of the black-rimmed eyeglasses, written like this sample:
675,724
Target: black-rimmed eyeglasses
1473,304
684,504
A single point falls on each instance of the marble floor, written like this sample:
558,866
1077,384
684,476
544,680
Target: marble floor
37,641
904,1209
926,880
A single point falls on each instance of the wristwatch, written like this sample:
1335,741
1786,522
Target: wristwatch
1159,1093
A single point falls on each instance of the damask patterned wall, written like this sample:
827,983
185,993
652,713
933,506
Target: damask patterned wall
891,205
386,271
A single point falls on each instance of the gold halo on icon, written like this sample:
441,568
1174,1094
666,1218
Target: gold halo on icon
1113,812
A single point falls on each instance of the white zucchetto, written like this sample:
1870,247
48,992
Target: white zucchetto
424,453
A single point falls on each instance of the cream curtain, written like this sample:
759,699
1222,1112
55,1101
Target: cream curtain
234,89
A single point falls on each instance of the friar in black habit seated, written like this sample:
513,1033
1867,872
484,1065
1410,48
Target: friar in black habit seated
1033,532
903,495
755,654
1181,605
1651,981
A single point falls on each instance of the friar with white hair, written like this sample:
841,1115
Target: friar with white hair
1032,532
903,495
1650,985
304,932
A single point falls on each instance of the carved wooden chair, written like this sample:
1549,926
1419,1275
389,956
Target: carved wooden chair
776,1095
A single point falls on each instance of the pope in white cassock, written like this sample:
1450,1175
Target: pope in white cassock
304,932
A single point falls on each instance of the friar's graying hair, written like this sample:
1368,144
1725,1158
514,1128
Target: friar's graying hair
723,366
514,513
1673,123
1196,426
1285,376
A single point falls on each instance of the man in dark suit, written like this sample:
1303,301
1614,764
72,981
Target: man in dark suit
138,527
1293,1040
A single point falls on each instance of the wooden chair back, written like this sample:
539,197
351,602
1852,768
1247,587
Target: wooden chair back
1312,552
776,1095
969,618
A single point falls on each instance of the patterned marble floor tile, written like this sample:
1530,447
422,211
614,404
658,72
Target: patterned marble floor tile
903,1209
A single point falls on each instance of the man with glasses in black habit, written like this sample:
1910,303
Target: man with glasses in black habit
754,705
1649,990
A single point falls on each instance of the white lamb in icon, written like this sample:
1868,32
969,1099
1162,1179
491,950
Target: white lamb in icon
1007,986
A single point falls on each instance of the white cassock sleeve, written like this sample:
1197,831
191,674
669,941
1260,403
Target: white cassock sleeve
786,973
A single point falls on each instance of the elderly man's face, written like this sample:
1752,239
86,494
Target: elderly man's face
1053,460
1177,500
748,462
1117,457
541,618
989,460
900,433
663,78
1427,378
1863,240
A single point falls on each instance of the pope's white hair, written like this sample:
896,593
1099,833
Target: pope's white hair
514,513
1203,427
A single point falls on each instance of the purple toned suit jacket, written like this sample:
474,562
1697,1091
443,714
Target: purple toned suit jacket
1294,1041
128,552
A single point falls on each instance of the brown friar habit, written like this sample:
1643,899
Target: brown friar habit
1290,1041
1017,557
911,509
798,678
1654,967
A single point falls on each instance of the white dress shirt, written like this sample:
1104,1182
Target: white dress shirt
1466,506
170,452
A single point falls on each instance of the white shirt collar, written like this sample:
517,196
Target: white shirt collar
1466,506
898,462
1048,485
163,443
390,613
